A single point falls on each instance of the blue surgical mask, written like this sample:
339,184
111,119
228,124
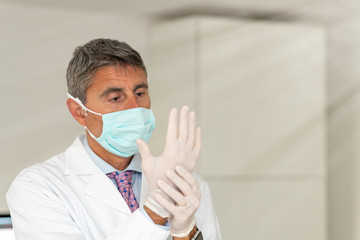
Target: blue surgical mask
121,129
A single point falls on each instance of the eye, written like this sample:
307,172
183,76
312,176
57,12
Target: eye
140,94
115,99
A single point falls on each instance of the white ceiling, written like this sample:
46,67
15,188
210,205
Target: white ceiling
322,10
163,7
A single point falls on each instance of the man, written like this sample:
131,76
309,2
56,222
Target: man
96,189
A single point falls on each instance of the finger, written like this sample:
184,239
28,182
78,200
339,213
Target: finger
197,146
191,137
172,131
190,179
187,176
180,183
184,123
170,207
172,193
144,149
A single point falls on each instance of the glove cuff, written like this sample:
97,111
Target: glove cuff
156,207
182,235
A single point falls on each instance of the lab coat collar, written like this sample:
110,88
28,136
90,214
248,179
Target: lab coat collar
98,185
77,161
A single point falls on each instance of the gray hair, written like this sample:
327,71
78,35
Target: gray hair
95,54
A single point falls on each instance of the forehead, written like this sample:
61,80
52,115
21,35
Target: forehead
117,76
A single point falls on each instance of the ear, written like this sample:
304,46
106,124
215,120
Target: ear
76,111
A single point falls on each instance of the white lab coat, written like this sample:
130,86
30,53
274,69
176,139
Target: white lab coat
68,197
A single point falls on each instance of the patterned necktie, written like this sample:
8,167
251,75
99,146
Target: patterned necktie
123,181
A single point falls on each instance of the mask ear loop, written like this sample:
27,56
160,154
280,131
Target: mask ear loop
85,109
82,105
92,135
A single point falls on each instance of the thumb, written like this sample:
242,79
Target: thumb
144,149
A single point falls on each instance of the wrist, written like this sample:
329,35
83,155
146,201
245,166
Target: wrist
189,236
181,234
156,208
155,217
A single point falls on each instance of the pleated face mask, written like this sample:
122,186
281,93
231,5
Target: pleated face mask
121,129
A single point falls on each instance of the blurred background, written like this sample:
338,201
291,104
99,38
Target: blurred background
275,85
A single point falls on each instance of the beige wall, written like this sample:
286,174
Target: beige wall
258,89
343,126
36,46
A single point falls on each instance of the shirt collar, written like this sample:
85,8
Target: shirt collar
135,163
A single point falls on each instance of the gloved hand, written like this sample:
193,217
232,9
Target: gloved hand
182,147
186,198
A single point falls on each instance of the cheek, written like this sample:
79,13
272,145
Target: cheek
148,102
94,124
144,102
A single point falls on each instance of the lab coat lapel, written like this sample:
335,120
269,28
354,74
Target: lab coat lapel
101,188
96,183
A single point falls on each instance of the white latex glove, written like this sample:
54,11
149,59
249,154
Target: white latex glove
182,147
186,200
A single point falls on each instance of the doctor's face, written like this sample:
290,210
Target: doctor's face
114,89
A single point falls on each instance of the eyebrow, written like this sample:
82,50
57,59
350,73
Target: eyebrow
141,85
116,89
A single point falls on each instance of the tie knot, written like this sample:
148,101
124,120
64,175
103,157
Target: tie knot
123,179
123,182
